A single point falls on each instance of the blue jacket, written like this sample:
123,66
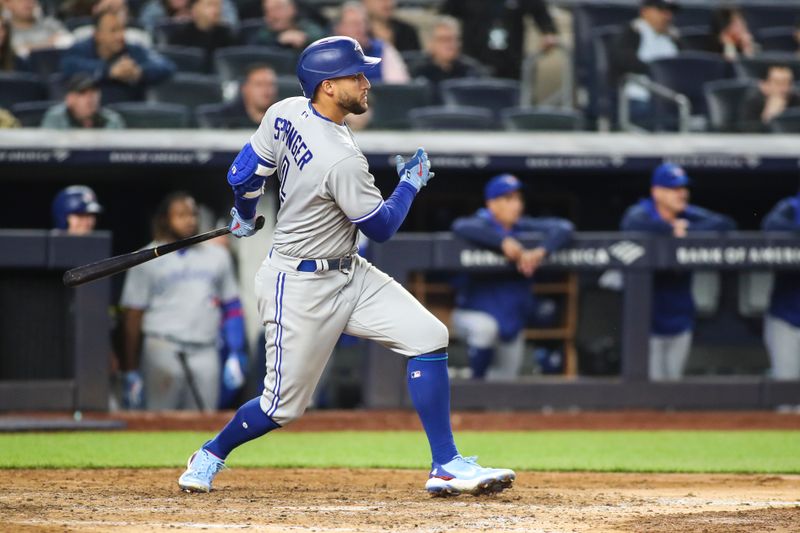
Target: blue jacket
785,302
673,305
506,297
82,58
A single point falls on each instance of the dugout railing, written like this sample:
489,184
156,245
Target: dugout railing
637,256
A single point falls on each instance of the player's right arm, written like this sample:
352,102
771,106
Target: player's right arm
247,175
135,300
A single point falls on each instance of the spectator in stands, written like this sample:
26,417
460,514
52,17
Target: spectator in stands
156,11
353,22
496,31
782,320
283,27
81,108
258,91
31,31
123,70
87,8
205,30
10,61
385,26
775,95
492,310
7,120
668,213
133,35
75,210
730,36
172,310
645,39
443,60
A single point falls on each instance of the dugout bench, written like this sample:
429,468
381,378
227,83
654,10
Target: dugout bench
637,256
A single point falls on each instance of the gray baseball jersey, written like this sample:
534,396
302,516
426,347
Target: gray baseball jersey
325,189
181,293
325,184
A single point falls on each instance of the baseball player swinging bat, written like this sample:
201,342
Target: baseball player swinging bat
113,265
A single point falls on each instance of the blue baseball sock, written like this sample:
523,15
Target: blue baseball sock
247,424
429,387
479,361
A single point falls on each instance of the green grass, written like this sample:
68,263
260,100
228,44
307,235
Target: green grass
609,451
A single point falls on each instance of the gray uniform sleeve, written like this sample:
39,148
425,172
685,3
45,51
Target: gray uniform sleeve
261,140
136,291
352,187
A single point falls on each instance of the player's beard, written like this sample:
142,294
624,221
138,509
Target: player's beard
352,104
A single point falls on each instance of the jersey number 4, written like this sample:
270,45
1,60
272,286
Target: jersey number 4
283,175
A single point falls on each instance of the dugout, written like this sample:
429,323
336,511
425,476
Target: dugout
587,177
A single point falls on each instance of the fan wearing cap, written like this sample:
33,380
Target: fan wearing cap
647,38
81,108
75,210
782,320
492,309
668,213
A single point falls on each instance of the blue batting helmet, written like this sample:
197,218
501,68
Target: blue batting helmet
331,57
72,200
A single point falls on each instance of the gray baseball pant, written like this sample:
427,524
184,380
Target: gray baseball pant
480,330
668,355
783,344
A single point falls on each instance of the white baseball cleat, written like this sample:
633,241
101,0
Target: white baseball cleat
464,475
200,471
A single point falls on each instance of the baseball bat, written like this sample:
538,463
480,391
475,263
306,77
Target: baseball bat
198,400
112,265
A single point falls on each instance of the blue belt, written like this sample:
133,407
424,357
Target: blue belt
310,265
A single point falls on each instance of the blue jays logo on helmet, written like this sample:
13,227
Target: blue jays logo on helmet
74,200
331,57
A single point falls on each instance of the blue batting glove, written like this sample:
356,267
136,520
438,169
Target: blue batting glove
242,227
233,371
416,171
132,390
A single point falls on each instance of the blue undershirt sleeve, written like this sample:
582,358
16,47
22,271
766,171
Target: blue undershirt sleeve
385,222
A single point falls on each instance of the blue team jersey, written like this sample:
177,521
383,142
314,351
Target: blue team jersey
673,305
785,300
505,296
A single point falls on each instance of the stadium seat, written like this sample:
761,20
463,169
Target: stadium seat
695,38
770,16
686,74
452,118
30,114
18,87
288,86
190,90
45,61
786,122
186,58
165,29
248,30
390,103
150,115
541,119
232,62
692,17
724,99
779,39
755,68
494,94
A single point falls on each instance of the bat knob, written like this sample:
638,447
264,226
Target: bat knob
260,222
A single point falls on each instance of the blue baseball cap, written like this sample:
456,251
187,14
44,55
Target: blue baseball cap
500,185
671,176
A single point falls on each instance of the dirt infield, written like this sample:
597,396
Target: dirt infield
377,500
